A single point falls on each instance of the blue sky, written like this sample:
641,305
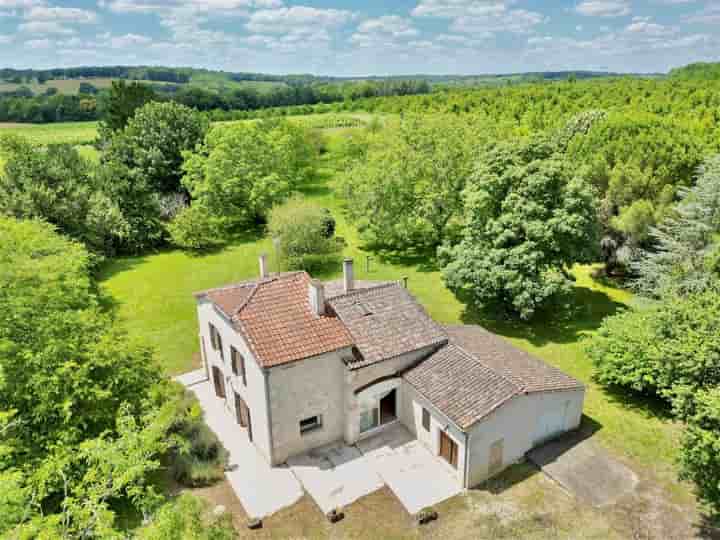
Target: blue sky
361,37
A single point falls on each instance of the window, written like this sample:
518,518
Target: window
426,419
237,362
310,424
216,340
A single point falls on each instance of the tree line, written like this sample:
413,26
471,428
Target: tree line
22,105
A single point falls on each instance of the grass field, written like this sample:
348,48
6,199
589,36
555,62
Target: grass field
67,132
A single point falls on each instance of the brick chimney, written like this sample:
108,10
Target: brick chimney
348,278
316,297
263,266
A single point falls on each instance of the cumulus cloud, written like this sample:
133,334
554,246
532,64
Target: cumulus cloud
147,6
296,19
481,16
393,25
57,14
603,8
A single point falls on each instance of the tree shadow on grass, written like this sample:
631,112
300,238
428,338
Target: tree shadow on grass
647,405
563,322
125,263
422,260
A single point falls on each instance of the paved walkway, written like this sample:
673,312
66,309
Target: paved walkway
585,469
262,489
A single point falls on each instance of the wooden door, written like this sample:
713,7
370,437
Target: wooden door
448,449
219,382
496,456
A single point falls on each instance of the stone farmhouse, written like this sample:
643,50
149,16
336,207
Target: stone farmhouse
302,364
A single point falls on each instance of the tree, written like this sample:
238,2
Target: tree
120,104
65,368
404,189
56,184
153,142
301,229
700,447
237,175
668,349
638,162
528,219
684,248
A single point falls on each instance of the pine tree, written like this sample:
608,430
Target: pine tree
686,242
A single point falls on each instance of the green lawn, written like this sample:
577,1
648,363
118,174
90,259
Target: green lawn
154,295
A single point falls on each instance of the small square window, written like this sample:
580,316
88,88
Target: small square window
426,419
310,424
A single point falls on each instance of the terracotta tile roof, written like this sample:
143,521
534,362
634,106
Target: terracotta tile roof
385,322
528,372
460,386
274,316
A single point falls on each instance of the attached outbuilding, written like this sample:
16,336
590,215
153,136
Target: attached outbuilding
481,403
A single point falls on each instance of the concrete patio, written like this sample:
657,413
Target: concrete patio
335,475
416,477
262,490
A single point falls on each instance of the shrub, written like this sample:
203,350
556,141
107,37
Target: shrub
188,517
672,345
305,234
192,228
200,458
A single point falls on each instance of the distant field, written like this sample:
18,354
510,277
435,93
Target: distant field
67,132
206,81
63,86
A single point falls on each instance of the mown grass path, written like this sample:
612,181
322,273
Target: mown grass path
154,296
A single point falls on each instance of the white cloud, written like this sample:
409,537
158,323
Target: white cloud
296,20
57,14
603,8
38,44
5,38
147,6
126,41
518,21
45,27
389,24
481,16
450,9
20,3
648,28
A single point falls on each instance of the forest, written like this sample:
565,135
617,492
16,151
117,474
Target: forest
506,191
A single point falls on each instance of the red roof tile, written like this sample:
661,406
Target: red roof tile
274,316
